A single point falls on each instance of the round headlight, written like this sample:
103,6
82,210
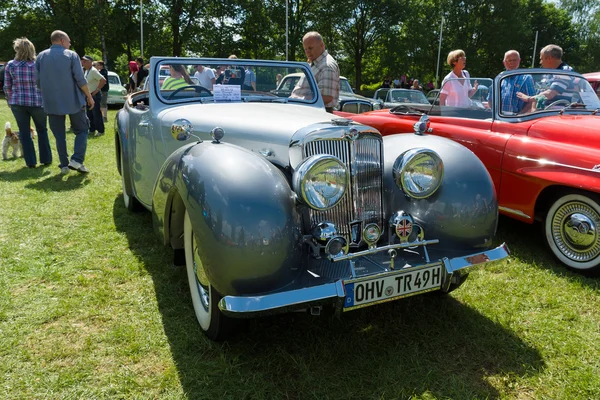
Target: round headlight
321,181
419,172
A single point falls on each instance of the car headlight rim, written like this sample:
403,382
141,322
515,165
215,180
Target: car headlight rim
321,181
419,172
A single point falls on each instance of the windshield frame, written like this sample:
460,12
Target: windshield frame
273,67
538,73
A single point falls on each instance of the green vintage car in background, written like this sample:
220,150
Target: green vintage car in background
116,91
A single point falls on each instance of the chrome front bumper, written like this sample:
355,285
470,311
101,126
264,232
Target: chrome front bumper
334,293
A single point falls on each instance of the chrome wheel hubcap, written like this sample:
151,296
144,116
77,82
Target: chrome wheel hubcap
575,231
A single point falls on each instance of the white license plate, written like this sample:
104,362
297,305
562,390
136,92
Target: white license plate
360,293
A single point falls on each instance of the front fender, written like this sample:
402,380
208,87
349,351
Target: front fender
463,212
121,120
243,214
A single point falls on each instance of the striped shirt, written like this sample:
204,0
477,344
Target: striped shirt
19,84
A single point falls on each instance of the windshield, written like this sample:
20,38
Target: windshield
408,96
534,92
211,80
345,86
114,80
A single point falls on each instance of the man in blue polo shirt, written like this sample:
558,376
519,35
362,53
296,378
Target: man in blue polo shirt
64,89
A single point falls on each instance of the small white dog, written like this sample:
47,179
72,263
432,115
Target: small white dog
11,139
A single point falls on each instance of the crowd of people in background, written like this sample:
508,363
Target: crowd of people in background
58,83
48,87
407,83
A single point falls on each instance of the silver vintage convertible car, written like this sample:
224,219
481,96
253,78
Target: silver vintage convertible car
280,206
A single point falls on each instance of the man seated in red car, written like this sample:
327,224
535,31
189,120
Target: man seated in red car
560,85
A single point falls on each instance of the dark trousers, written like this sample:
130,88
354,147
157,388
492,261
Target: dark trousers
24,115
95,115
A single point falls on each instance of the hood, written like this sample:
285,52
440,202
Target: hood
581,130
345,96
260,127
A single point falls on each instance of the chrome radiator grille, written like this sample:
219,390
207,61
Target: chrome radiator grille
363,200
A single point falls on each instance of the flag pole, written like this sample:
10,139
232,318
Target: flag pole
437,71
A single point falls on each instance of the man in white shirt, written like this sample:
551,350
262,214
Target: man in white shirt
95,81
205,76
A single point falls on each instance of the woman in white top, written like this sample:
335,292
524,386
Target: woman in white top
456,86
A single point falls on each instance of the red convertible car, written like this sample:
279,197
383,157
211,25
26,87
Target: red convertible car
541,148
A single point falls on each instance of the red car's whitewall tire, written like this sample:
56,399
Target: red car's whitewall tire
572,231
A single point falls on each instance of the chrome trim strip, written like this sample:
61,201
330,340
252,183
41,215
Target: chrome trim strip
556,164
334,293
515,212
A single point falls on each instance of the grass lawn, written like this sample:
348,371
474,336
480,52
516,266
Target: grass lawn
91,307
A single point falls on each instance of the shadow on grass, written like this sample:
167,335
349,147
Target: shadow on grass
526,243
24,173
60,183
423,345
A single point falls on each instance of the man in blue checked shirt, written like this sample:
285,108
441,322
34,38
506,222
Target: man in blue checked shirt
511,104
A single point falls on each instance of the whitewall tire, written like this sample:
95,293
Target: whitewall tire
572,231
205,298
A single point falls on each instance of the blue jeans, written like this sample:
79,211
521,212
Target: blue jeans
79,124
23,115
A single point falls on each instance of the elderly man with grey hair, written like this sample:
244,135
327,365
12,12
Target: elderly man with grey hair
551,58
510,86
59,76
324,68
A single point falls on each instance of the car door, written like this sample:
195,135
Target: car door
144,166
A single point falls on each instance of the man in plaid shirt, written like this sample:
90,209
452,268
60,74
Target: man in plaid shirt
324,68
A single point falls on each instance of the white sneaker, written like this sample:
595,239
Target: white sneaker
77,166
64,170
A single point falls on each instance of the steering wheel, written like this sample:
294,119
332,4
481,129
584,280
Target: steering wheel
557,103
197,88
